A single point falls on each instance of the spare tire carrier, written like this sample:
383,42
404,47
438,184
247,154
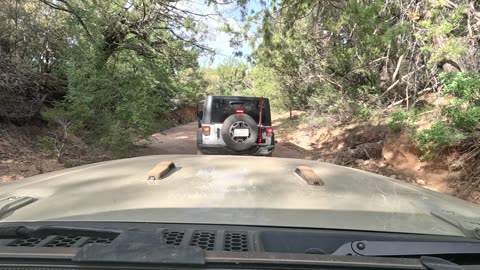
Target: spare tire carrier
260,137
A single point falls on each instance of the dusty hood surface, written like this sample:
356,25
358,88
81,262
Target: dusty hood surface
235,190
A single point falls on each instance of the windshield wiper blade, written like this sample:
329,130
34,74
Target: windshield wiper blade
406,248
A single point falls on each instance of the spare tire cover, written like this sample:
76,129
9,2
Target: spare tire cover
243,121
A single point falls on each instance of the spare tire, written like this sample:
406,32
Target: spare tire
239,121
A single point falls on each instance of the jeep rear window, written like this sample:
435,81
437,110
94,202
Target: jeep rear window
224,107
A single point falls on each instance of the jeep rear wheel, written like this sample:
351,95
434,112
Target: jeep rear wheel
239,122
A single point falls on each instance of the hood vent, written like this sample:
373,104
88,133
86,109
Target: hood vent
162,170
307,174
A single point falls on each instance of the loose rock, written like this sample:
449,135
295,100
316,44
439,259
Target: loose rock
421,182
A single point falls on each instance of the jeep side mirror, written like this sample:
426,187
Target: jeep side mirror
200,115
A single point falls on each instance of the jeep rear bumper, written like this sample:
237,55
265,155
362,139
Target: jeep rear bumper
212,149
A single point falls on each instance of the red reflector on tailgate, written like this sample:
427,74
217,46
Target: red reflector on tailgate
206,130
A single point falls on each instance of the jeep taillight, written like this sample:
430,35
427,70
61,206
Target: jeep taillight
239,111
206,130
269,131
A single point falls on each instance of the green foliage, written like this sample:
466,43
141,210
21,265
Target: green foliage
400,119
33,34
318,46
465,86
465,119
434,139
439,25
129,64
461,115
191,85
227,78
463,112
262,81
125,65
120,100
365,113
328,101
116,138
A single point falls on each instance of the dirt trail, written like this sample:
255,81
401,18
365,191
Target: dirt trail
177,140
182,140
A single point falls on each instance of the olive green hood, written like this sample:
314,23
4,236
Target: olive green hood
238,191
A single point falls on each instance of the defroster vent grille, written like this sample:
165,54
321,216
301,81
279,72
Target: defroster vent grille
173,237
204,239
236,241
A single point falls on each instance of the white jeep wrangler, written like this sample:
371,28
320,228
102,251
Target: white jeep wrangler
235,125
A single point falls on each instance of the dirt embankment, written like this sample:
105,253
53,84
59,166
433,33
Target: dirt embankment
370,147
21,154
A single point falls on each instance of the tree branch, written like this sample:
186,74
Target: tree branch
70,10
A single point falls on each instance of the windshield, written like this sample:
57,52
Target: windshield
351,115
223,107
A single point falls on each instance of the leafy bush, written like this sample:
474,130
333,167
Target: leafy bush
465,86
364,113
263,81
328,100
400,119
435,138
464,119
460,117
119,100
464,111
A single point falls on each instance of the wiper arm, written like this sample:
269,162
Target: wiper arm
469,226
406,248
10,204
15,231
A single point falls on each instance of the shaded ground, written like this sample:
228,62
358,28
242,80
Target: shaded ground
177,140
27,150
